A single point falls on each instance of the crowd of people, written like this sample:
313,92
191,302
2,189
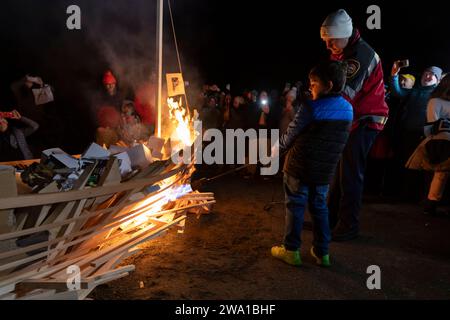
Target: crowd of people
409,104
388,128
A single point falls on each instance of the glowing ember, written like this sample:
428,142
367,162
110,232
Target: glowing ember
152,205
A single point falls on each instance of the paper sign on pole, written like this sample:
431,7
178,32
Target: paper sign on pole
175,84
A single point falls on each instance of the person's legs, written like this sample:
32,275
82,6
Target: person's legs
319,215
296,197
353,165
437,186
436,192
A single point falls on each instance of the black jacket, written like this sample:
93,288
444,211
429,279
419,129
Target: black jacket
316,138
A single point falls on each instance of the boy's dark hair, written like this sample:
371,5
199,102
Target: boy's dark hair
334,71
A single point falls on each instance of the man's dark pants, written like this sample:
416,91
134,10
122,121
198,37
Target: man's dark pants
346,193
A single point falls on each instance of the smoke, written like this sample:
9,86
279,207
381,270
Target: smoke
124,33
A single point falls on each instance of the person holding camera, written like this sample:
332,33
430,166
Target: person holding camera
25,99
410,122
365,91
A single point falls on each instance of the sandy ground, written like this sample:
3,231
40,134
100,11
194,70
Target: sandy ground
226,254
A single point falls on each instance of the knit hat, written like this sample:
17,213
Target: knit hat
108,78
408,76
292,92
436,71
337,25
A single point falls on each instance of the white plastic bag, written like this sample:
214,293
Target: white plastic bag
43,95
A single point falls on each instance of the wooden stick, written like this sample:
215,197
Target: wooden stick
58,224
50,242
138,238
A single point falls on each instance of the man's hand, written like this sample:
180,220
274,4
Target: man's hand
36,80
265,109
395,68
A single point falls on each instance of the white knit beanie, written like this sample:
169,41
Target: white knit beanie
337,25
292,92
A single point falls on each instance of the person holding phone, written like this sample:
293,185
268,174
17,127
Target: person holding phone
265,110
410,122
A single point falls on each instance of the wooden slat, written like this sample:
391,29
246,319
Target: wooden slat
59,197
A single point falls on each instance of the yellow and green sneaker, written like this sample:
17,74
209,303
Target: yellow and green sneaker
290,257
323,261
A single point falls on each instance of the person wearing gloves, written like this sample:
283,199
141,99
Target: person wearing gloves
411,120
315,140
433,154
365,90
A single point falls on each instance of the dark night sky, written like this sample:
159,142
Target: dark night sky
247,43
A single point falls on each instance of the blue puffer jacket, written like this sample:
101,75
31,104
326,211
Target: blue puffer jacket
316,138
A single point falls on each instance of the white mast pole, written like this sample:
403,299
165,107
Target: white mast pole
159,53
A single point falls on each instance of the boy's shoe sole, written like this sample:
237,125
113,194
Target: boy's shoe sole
323,262
290,257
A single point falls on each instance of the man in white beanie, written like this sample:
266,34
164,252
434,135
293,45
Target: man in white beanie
365,91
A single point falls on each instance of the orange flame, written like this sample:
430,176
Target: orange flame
184,126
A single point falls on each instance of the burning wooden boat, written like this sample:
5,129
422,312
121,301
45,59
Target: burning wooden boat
61,245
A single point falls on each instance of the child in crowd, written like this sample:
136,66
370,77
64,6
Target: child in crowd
315,140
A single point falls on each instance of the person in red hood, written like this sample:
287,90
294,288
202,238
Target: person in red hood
366,92
108,111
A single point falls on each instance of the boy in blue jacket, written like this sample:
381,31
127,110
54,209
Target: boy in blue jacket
315,140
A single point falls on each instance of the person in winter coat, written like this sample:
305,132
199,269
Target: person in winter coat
315,140
236,118
108,106
414,106
210,114
410,122
365,91
434,152
13,134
